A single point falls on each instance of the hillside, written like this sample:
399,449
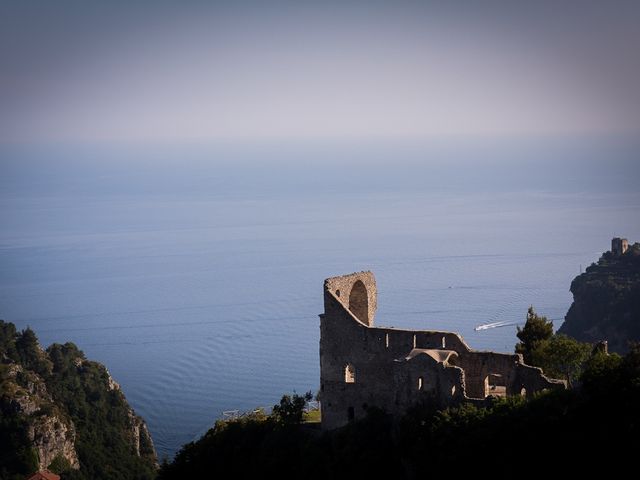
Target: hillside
606,301
64,412
591,429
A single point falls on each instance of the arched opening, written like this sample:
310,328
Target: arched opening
386,340
420,383
495,385
414,341
359,302
444,343
338,293
453,391
523,392
349,373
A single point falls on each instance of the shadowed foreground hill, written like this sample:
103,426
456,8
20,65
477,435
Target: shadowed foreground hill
60,411
606,301
594,428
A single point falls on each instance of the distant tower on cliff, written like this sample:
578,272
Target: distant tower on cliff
619,245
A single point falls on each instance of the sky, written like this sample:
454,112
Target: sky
162,71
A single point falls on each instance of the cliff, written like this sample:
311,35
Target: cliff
606,301
60,411
49,430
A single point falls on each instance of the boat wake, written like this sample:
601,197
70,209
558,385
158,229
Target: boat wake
487,326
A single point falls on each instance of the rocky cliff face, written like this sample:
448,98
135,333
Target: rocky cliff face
141,441
63,412
606,301
51,433
53,438
137,432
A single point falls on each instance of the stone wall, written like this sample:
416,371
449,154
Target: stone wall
357,293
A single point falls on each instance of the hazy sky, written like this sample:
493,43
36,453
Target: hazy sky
191,71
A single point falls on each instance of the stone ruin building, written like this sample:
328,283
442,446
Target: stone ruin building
619,246
362,365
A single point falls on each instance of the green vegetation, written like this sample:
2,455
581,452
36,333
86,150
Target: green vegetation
257,440
312,416
290,410
562,357
101,415
61,382
536,330
17,458
59,465
29,353
606,301
559,356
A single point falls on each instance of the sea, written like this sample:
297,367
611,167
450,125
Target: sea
195,273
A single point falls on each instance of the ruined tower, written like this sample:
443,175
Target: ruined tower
619,245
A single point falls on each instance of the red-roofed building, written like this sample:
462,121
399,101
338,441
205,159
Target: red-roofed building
44,475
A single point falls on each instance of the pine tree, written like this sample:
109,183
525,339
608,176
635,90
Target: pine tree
537,330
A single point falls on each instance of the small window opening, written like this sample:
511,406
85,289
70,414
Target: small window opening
414,341
444,343
386,340
453,391
495,385
349,374
337,293
420,383
523,392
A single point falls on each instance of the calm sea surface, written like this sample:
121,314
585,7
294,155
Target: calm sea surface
201,300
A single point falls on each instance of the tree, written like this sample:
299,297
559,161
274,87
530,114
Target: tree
535,331
8,340
291,408
29,352
561,357
601,372
27,345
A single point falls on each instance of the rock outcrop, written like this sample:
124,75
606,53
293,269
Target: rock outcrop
606,301
52,433
53,437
